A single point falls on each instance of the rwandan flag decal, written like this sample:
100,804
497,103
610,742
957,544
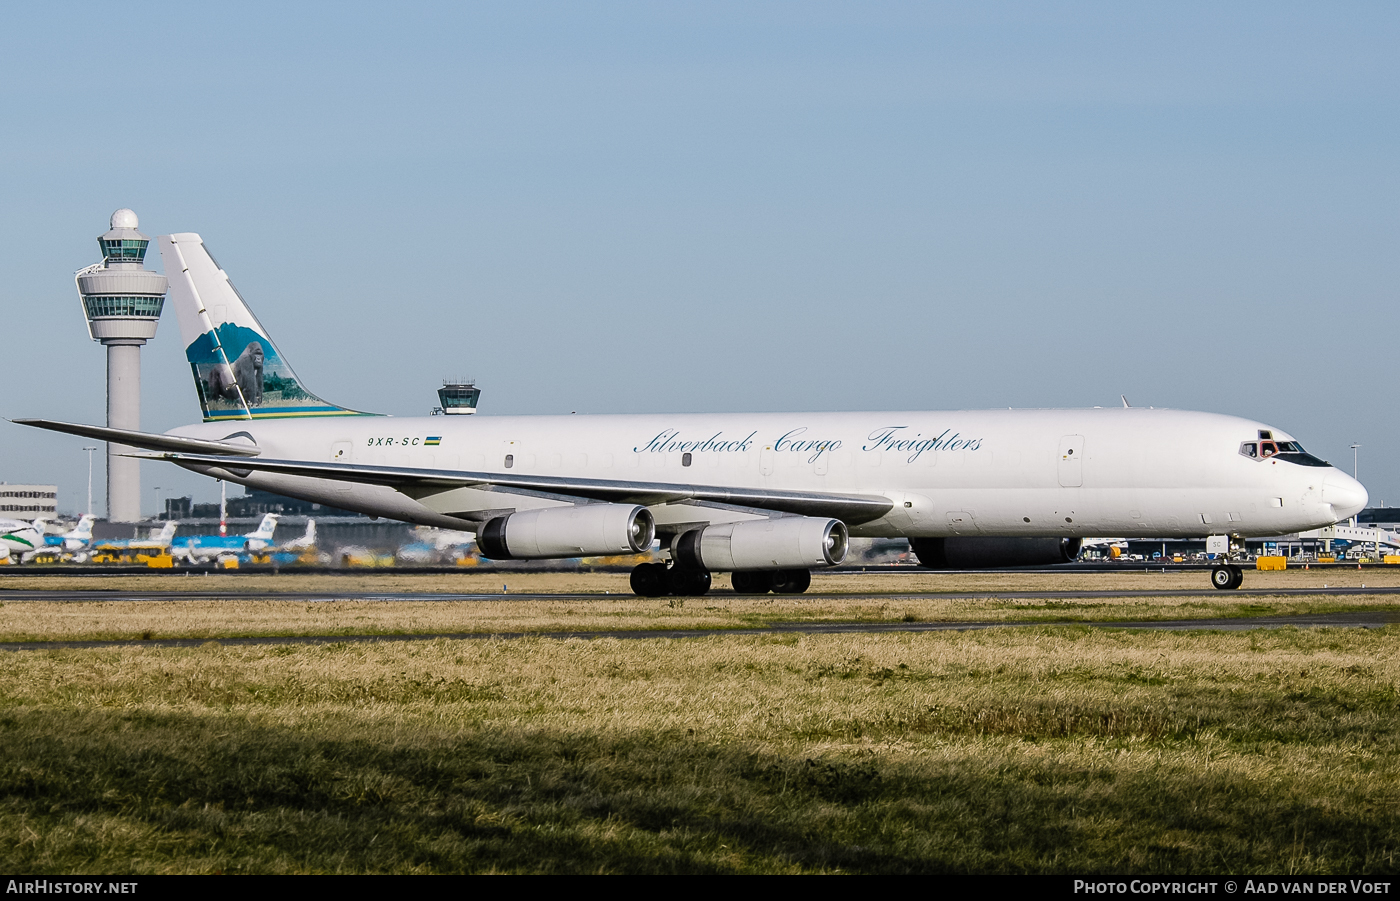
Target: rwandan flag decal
432,440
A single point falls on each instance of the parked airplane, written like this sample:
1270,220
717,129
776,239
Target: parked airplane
298,550
20,537
70,546
767,497
207,547
159,540
79,537
31,539
306,542
435,546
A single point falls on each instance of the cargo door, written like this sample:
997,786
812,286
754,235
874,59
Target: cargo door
1071,461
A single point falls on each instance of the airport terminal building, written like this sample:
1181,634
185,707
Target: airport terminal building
28,501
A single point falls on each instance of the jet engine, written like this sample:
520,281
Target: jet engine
787,542
576,531
993,553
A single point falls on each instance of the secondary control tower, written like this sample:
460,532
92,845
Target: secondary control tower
458,396
122,301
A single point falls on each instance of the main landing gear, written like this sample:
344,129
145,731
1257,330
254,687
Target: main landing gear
778,581
1226,578
654,580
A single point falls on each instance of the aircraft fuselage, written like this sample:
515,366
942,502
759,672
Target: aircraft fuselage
1128,472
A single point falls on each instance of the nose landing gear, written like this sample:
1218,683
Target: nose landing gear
1226,578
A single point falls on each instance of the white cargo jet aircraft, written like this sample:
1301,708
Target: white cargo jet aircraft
767,497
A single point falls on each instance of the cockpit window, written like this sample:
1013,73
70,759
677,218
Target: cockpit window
1288,451
1302,458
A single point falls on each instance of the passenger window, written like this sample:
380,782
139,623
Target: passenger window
685,459
510,460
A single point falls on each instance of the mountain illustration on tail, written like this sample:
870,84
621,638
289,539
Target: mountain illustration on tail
238,371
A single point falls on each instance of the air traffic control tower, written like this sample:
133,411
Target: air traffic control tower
122,302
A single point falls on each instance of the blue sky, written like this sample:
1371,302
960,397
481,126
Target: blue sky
748,206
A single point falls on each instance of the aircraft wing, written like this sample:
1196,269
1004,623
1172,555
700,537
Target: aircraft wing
417,483
148,440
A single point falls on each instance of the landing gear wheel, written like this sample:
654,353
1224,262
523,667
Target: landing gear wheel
792,581
752,581
688,582
649,580
1226,578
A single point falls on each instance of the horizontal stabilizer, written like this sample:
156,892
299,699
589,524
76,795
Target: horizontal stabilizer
148,440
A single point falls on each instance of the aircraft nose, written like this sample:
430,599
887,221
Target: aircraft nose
1347,496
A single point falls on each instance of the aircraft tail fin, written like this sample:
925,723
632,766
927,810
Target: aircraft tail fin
238,371
306,541
84,527
167,534
265,528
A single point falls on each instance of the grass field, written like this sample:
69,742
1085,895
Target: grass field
1033,749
